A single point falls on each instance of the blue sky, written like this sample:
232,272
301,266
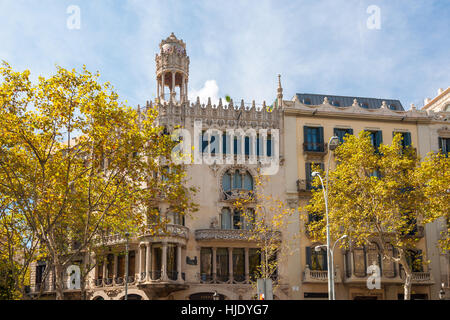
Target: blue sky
239,47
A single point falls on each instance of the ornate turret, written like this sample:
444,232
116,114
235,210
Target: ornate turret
172,70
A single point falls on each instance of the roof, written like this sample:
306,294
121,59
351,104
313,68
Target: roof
345,101
429,104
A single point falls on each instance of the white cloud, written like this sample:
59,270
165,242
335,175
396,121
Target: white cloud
210,90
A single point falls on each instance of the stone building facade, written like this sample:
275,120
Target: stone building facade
209,252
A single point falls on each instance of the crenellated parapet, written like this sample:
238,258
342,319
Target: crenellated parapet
220,116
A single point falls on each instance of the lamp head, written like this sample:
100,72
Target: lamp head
334,143
314,174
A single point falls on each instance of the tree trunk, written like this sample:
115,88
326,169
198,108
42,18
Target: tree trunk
408,277
407,286
59,281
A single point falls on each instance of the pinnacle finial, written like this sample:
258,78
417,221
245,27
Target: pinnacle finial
280,92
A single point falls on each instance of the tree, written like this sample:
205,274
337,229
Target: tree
265,219
77,164
378,196
434,175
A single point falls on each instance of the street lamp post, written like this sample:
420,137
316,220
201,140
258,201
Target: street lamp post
332,144
331,266
127,235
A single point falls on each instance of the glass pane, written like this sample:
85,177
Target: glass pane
222,263
226,182
248,182
254,258
225,219
206,261
239,264
237,220
318,259
171,258
237,180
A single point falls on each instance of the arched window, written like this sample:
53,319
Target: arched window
237,180
248,182
307,101
235,183
226,182
365,105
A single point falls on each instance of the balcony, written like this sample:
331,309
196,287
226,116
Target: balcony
418,278
171,230
320,276
237,194
315,148
227,234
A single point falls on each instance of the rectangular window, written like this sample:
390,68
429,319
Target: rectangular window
172,261
225,141
203,143
225,219
110,266
206,264
376,137
237,220
269,145
444,145
238,264
317,260
247,146
313,139
237,145
222,264
340,133
254,258
309,177
406,141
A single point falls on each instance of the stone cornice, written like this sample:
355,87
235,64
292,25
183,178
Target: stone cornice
295,108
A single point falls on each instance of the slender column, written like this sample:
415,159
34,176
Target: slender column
172,90
352,264
153,260
179,278
230,264
162,85
182,93
157,88
104,270
214,264
148,267
137,260
186,89
247,275
141,260
116,266
164,262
